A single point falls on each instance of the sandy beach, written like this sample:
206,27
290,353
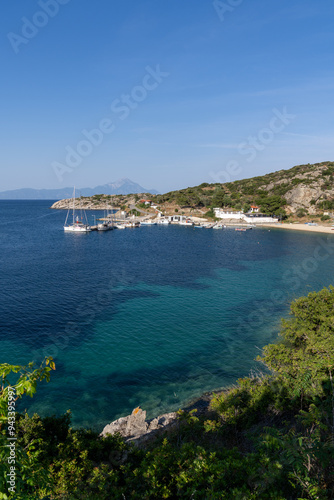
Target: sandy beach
301,227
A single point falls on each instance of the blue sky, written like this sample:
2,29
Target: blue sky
169,94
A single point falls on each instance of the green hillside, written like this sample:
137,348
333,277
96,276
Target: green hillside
301,189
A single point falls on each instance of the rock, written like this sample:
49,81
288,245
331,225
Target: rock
135,428
104,202
301,196
132,426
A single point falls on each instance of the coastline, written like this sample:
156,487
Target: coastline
301,227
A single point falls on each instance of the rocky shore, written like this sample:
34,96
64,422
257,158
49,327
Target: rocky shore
135,428
97,202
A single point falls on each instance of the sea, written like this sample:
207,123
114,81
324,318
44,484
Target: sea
152,316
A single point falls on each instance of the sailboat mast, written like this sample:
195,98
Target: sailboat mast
73,203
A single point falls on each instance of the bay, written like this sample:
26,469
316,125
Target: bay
152,316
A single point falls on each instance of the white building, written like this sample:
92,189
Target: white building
176,219
250,218
228,214
254,209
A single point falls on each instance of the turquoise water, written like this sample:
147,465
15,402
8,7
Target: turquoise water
152,316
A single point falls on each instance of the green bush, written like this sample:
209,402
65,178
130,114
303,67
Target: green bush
301,212
210,214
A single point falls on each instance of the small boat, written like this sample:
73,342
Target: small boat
186,223
105,223
77,225
119,226
149,222
131,224
104,226
240,229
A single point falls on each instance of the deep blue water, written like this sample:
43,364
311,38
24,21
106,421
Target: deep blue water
152,316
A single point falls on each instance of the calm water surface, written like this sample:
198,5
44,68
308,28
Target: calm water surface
152,316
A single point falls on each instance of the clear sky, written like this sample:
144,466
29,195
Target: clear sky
168,93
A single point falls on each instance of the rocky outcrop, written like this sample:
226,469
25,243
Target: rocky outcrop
97,202
137,429
301,197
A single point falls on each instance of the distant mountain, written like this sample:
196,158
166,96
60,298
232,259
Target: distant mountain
121,186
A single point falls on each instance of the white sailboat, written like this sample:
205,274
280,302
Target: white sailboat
77,225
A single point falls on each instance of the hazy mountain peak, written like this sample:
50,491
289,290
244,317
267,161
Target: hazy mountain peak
121,186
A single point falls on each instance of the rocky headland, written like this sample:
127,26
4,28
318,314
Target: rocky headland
98,202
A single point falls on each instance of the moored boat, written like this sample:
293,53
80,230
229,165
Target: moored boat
187,222
148,222
103,226
77,226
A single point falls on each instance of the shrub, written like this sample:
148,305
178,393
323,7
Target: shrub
301,212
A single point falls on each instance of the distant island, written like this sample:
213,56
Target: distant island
121,186
303,192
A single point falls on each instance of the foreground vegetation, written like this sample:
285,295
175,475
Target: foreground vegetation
269,437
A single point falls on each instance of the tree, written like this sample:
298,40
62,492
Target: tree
271,204
218,198
301,212
21,466
246,207
305,356
25,383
